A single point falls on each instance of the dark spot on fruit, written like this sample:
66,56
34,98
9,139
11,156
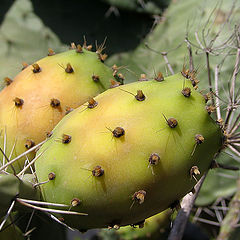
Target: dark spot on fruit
159,77
66,138
54,103
24,65
194,171
29,143
186,92
75,202
69,68
139,196
210,109
154,159
92,103
172,122
8,81
143,77
51,176
95,78
140,96
18,102
79,49
102,57
36,68
51,52
118,132
199,138
68,110
49,134
97,171
114,83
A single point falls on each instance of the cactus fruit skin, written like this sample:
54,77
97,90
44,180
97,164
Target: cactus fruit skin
130,156
43,93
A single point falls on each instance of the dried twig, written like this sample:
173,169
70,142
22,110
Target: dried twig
231,219
183,214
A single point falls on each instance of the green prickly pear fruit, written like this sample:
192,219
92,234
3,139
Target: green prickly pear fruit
133,152
39,96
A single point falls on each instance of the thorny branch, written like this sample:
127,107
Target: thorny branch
232,141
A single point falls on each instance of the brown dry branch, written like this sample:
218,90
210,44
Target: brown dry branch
183,214
230,221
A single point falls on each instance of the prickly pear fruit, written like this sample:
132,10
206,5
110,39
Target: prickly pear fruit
39,96
134,152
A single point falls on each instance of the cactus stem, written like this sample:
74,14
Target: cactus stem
8,81
66,138
140,96
18,101
92,103
29,143
36,68
159,77
75,202
51,52
69,68
54,103
143,77
194,171
97,171
95,78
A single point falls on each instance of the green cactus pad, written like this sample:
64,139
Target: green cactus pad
138,150
39,96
